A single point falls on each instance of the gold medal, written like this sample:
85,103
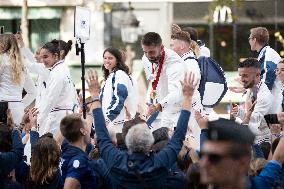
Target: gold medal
153,94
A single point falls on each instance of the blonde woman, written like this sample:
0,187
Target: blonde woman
14,78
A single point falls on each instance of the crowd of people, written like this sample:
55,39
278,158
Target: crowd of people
46,143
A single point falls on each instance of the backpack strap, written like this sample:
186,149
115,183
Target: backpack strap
190,57
204,70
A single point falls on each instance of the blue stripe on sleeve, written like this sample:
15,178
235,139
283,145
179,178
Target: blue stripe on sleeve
268,73
117,103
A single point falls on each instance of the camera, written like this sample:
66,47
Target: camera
271,119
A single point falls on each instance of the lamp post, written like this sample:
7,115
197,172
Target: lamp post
129,34
129,26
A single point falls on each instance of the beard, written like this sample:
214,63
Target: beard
249,85
155,59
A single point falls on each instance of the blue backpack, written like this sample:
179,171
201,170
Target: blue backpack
213,85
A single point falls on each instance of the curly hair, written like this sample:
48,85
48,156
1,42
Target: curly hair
120,62
139,139
45,160
9,45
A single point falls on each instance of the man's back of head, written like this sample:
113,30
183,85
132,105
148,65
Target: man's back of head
261,34
139,139
70,127
193,33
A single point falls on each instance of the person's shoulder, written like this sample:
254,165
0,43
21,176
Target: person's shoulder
172,57
79,161
264,92
272,54
121,73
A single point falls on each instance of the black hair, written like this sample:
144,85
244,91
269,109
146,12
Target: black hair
66,47
120,64
229,131
250,63
52,47
151,38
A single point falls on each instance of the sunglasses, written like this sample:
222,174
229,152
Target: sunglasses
214,158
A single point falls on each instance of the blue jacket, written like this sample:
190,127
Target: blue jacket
8,160
267,177
75,164
152,169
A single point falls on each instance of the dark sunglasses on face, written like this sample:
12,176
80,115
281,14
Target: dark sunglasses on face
214,158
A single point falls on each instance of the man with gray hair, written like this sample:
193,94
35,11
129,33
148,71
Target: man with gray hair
139,139
139,168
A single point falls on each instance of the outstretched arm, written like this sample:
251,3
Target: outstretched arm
169,154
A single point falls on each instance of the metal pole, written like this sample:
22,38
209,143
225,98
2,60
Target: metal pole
235,54
83,78
1,29
211,39
275,22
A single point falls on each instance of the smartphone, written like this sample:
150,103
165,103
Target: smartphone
271,119
3,112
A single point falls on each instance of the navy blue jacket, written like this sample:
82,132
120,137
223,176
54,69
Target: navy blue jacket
8,160
152,169
75,164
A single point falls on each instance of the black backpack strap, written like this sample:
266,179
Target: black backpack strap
190,57
203,71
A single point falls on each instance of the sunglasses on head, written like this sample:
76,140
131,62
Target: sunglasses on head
214,158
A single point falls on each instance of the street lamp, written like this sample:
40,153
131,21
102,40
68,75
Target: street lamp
130,26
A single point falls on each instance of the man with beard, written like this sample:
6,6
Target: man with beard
164,71
258,103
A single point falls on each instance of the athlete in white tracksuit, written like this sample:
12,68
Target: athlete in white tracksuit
119,99
10,91
58,99
118,95
169,89
37,68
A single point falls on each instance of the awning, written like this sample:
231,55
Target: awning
33,13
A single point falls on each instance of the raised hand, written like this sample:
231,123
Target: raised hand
93,82
33,116
201,120
188,85
175,28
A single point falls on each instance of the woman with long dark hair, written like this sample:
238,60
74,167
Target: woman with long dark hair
118,96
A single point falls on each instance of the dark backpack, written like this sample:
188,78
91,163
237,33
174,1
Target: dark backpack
213,85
